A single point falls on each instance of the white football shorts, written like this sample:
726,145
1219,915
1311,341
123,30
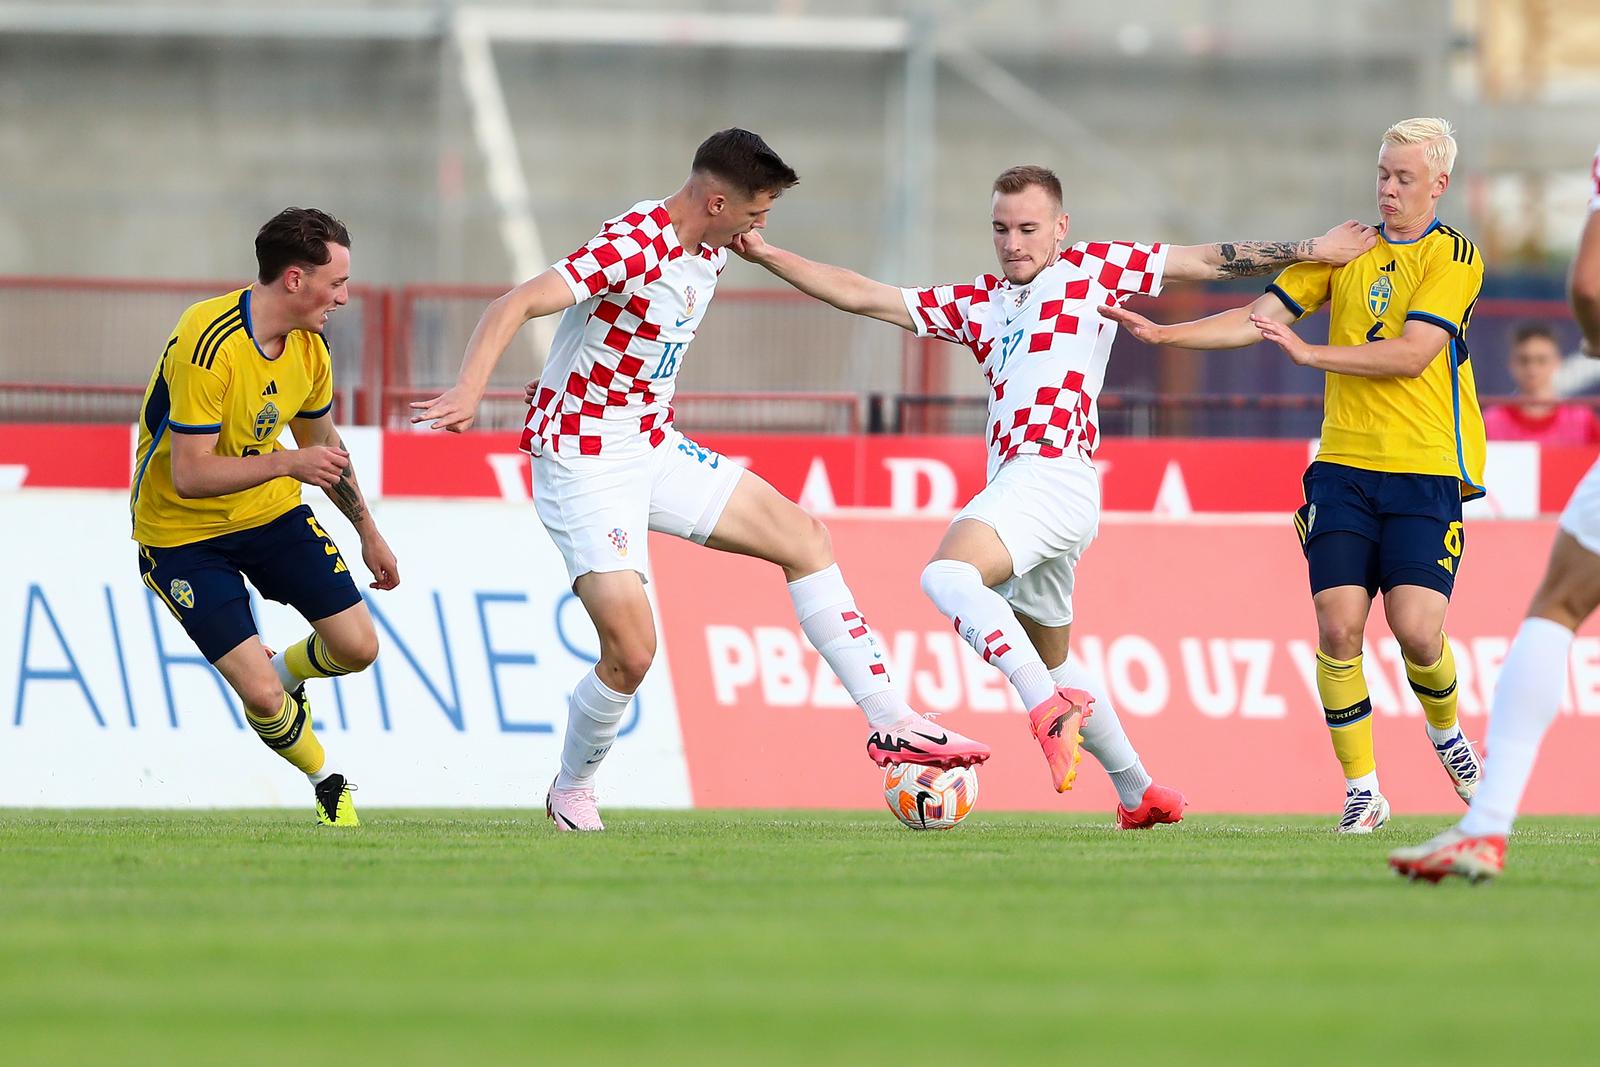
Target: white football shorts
1581,516
599,510
1046,512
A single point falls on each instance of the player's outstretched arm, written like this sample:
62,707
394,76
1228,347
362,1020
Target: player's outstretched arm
457,407
197,471
844,289
347,497
1406,356
1245,259
1583,285
1233,328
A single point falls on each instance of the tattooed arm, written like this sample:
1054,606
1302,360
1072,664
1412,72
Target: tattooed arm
346,496
1244,259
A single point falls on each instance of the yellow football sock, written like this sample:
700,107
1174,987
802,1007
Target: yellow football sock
311,659
1435,686
1347,707
289,734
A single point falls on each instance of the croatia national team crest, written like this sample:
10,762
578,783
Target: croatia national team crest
266,421
1378,295
689,296
182,592
619,541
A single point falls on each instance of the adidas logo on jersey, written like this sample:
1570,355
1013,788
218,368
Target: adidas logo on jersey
1389,267
271,389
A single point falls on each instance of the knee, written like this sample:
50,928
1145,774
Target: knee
1562,603
943,579
815,546
623,668
1421,645
1339,638
358,652
263,699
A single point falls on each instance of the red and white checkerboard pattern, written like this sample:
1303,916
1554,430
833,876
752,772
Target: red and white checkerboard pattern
608,384
1042,347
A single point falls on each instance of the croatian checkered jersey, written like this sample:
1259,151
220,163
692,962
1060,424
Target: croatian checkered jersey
607,387
1042,346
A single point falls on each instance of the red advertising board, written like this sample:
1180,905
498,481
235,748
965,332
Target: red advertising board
1203,632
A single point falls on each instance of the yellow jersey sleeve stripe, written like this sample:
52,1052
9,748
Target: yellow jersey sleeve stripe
1288,301
318,413
1444,324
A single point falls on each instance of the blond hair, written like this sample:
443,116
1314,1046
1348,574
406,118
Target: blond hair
1437,137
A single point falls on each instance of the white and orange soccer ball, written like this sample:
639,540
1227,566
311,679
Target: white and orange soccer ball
930,798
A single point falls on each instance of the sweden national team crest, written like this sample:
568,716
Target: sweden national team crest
1311,517
266,421
182,592
1378,295
619,541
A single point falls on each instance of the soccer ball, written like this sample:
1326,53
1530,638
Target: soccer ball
930,798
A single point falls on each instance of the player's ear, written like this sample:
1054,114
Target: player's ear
716,203
291,279
1062,225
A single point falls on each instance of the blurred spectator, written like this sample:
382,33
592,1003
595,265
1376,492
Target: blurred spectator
1538,414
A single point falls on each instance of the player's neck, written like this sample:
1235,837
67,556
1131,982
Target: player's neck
691,230
269,320
1409,231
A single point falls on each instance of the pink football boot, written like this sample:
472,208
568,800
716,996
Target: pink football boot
572,809
918,739
1158,805
1057,726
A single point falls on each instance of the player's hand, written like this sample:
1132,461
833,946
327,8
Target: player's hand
380,561
1285,338
1151,333
530,391
453,410
1343,243
318,465
750,246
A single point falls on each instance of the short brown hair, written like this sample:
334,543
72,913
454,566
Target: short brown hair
1527,331
743,160
1016,179
297,237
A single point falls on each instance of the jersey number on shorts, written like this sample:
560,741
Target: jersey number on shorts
1452,545
328,547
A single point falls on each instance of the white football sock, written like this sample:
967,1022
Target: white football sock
986,622
281,664
1103,736
593,718
828,615
1366,781
1438,736
1526,701
323,775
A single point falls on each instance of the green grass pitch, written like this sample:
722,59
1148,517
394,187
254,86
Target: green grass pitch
468,937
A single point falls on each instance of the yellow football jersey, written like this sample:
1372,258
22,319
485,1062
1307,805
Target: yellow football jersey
1426,425
214,378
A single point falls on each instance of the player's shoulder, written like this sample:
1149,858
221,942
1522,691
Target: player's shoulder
206,325
648,215
1446,244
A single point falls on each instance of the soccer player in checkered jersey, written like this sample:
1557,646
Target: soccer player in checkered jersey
1402,446
1004,572
1527,696
609,465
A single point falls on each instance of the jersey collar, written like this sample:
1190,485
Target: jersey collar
1434,225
